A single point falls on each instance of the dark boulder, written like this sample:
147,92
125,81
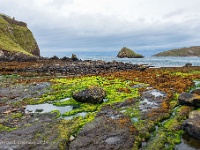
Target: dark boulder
189,99
197,91
188,65
192,125
22,57
74,58
54,58
65,58
185,98
109,130
93,95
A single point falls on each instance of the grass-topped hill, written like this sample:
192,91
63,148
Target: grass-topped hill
15,37
182,52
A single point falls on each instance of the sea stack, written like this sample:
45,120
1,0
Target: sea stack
128,53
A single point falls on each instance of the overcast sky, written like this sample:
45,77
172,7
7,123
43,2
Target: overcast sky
108,25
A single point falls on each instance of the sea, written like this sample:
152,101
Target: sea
147,60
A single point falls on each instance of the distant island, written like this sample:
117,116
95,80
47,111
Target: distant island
128,53
181,52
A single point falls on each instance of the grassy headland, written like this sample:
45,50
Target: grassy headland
182,52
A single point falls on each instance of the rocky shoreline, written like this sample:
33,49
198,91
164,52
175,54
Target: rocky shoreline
136,100
65,67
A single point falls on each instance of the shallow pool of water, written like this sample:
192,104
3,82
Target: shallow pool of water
45,108
197,84
188,143
156,93
82,114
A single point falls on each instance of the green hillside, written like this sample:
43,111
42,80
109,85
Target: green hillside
16,37
182,52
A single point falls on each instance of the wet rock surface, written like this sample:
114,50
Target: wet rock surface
109,130
189,99
35,131
192,125
151,99
185,98
13,92
93,95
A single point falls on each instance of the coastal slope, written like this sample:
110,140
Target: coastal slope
16,38
182,52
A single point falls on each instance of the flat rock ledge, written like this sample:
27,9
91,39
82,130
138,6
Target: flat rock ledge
109,130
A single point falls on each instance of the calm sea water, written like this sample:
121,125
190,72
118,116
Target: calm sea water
154,61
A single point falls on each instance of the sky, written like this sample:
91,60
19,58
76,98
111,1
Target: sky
145,26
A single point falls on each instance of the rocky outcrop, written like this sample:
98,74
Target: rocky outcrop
93,95
66,67
189,99
192,125
17,56
16,40
109,130
126,52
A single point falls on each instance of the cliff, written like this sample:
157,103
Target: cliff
126,52
182,52
16,39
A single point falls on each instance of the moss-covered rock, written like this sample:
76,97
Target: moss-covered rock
15,37
93,95
126,52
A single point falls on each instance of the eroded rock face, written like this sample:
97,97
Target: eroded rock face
7,56
93,95
192,125
109,130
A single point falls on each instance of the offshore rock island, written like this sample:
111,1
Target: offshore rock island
69,104
127,52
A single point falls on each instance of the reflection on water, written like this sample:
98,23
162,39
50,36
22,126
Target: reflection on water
82,114
45,108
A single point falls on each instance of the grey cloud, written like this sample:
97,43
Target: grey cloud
57,29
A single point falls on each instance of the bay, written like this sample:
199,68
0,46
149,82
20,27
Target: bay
149,60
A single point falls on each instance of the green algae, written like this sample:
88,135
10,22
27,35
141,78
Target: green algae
6,128
64,87
169,132
185,74
16,115
58,114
